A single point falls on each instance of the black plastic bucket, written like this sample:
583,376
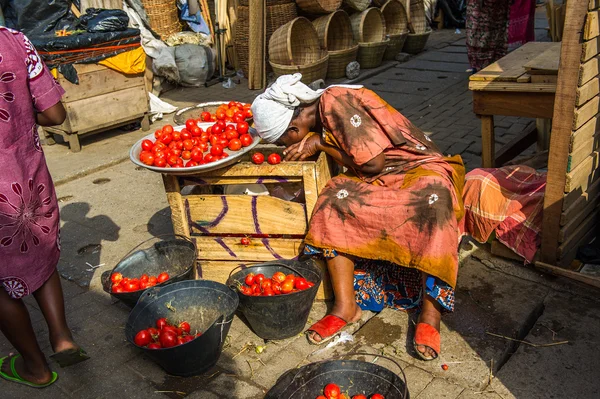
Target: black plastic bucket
174,254
354,376
207,305
280,316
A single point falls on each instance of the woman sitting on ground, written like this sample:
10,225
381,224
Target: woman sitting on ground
393,214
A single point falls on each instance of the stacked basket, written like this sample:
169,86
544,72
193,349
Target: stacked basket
368,28
419,31
295,48
164,17
279,12
396,27
357,5
318,7
335,36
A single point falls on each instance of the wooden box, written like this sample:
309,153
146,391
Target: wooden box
217,222
103,99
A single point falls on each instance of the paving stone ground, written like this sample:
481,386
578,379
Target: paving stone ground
108,206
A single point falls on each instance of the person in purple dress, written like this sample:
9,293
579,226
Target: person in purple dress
29,218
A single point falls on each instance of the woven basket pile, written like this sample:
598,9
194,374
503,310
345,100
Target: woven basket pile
419,31
164,17
369,31
318,7
335,36
295,47
396,26
279,12
357,5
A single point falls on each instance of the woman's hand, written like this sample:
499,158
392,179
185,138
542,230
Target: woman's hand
304,149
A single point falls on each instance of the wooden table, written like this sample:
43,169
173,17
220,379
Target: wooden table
523,83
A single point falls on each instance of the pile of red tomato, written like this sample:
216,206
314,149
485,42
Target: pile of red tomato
165,335
122,284
230,112
278,284
332,391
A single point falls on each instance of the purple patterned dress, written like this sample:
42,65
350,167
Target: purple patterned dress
29,220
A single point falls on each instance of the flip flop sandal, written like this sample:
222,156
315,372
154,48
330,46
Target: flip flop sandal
17,378
70,357
426,335
327,328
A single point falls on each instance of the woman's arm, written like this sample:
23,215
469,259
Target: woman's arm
55,115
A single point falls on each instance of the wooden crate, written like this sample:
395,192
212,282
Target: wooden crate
217,222
104,99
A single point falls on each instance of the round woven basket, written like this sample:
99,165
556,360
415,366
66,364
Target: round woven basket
295,43
418,21
164,17
358,5
395,45
246,3
415,42
339,60
368,26
335,31
370,55
277,15
319,6
394,14
310,72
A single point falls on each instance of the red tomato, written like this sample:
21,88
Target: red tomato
359,397
231,134
185,327
196,131
142,338
164,276
170,328
116,277
132,286
172,160
189,164
259,278
279,277
268,292
287,286
176,152
242,127
246,140
186,155
158,133
239,116
203,147
249,280
118,290
321,397
189,124
223,142
266,284
204,137
208,158
232,104
197,155
160,162
147,145
166,138
168,339
331,391
205,116
258,158
144,278
185,135
115,286
188,144
274,159
256,287
160,323
246,241
152,281
276,288
180,341
246,290
216,151
155,345
217,129
300,284
153,332
147,158
221,124
235,145
377,396
159,146
444,367
176,136
248,113
167,129
224,155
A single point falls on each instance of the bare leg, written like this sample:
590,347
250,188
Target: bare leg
341,270
16,327
430,314
50,299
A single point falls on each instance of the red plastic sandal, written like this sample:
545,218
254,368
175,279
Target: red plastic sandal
327,328
427,335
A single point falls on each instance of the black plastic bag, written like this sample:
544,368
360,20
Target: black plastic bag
100,20
38,17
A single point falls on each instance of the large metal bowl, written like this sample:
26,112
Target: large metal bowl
234,156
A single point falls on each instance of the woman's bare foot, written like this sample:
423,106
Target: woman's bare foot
430,314
350,313
63,344
39,374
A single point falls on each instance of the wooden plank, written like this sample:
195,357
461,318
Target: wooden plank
259,249
488,142
584,174
311,192
594,4
516,146
576,203
545,63
559,271
97,83
531,105
572,196
510,67
537,79
591,29
240,180
219,271
576,239
585,112
323,171
569,229
591,49
588,70
244,214
585,132
588,91
178,218
514,87
248,169
82,69
100,111
525,78
568,258
564,107
579,155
